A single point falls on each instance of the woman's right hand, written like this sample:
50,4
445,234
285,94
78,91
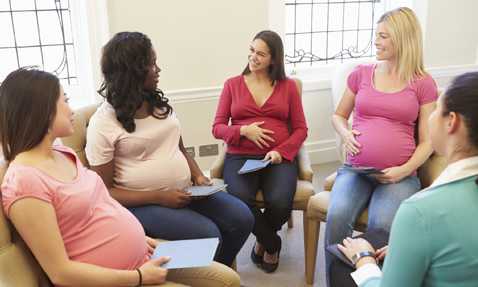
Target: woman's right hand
152,272
256,134
351,145
173,198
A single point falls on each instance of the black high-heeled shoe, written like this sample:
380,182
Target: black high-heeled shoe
271,267
256,259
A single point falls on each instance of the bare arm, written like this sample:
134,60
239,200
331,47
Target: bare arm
340,122
420,155
424,148
197,176
169,198
36,222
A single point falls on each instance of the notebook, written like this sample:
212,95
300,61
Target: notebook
252,165
365,170
205,190
377,238
187,253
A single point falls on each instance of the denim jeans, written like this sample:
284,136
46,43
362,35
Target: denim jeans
219,215
351,194
278,183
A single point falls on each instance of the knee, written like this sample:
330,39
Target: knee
241,218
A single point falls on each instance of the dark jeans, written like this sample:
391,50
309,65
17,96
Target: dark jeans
219,215
278,183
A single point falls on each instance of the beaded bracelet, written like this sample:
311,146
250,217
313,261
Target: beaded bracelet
140,283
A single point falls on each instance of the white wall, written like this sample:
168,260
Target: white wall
201,43
451,33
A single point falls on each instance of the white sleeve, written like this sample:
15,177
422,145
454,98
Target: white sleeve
101,137
365,273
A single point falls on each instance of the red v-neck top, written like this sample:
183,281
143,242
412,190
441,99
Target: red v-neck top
282,113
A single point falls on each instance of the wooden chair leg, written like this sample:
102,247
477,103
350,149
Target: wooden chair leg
234,265
311,230
290,222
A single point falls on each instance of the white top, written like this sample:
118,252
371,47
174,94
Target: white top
146,159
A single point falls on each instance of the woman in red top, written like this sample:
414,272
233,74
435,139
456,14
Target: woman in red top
260,116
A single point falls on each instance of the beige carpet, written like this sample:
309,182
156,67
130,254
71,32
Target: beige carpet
291,271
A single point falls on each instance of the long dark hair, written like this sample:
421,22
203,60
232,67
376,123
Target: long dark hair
28,99
274,43
125,62
462,97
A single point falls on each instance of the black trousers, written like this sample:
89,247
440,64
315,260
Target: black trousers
278,183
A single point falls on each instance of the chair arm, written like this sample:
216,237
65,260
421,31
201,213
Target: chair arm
329,181
217,167
305,168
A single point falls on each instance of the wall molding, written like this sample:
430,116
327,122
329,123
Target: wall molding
321,84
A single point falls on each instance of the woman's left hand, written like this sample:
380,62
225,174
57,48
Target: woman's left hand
273,156
152,243
352,246
393,174
201,180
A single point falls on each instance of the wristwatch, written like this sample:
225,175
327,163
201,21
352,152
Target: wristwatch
356,257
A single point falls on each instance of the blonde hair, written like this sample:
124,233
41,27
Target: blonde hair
406,35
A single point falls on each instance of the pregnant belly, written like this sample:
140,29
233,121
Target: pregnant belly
383,147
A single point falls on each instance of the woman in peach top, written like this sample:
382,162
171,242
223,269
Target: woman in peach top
134,142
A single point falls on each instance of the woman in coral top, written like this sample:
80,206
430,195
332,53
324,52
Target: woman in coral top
391,100
78,233
260,116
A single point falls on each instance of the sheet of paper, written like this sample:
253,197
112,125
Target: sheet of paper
205,190
252,165
187,253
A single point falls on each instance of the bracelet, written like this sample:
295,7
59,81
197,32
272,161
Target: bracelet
140,283
361,255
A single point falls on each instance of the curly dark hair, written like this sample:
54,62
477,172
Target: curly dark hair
125,62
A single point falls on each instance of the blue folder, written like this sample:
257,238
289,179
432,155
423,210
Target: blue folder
187,253
252,165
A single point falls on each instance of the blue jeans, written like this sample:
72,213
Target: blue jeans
352,193
278,183
219,215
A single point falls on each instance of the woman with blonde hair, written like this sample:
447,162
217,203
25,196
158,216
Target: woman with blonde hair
444,251
391,100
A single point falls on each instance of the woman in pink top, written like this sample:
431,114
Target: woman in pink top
390,100
260,116
63,211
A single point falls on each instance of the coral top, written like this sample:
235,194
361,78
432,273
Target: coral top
95,228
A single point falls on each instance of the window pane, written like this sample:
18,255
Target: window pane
67,26
318,44
6,40
8,58
50,31
45,4
53,56
4,5
23,5
351,16
30,57
334,42
320,18
335,17
25,25
290,19
303,21
65,4
71,60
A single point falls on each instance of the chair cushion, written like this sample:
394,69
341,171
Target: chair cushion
319,204
304,191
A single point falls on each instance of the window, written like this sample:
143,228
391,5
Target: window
319,32
48,34
37,33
